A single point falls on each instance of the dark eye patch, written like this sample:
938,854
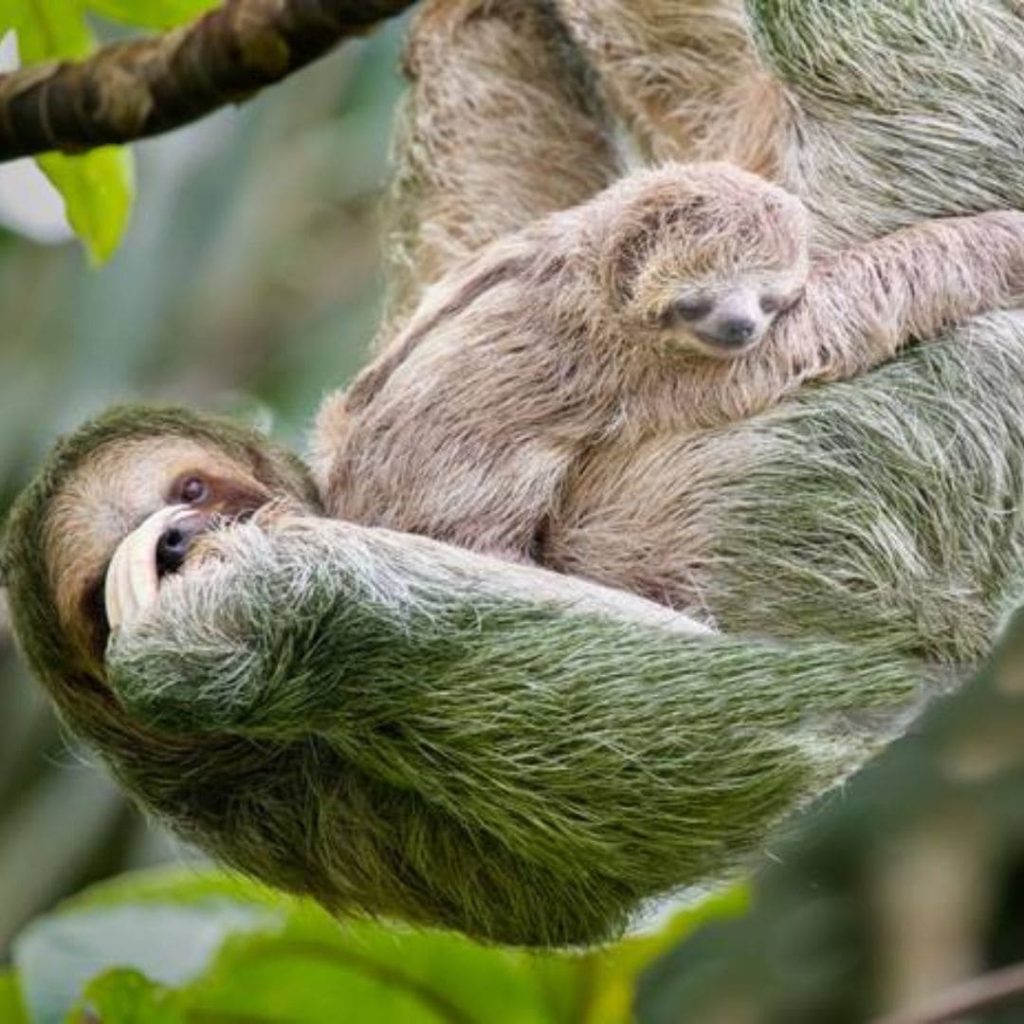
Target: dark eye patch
189,488
691,309
775,303
94,611
193,490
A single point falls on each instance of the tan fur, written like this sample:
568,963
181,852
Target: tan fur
110,495
455,131
564,337
539,378
686,79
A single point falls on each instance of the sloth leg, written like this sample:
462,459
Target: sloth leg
685,78
499,127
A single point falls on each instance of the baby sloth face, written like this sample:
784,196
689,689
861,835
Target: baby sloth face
730,315
725,256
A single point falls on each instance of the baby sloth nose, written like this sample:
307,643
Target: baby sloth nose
176,542
733,331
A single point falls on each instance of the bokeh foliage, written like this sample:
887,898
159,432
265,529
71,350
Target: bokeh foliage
170,947
247,283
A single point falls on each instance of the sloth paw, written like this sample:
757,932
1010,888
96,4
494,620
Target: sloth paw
133,576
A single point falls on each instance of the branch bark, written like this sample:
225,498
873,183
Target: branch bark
131,90
989,992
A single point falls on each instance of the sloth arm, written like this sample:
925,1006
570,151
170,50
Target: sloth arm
686,78
498,127
865,304
562,719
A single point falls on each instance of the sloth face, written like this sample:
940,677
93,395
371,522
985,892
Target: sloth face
726,318
726,280
130,516
709,256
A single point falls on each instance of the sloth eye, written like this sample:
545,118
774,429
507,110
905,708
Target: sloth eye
773,303
193,490
691,309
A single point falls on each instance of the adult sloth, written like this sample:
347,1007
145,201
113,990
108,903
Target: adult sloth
405,728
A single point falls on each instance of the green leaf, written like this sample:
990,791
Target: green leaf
11,1009
215,946
98,190
58,955
156,14
126,997
184,887
50,30
618,969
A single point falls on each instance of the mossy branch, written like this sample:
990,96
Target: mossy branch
131,90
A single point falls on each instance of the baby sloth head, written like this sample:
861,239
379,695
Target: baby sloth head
708,256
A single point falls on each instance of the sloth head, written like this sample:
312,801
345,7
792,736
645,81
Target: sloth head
94,490
98,486
709,256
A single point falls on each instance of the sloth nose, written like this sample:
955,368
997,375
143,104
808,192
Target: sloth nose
176,541
732,332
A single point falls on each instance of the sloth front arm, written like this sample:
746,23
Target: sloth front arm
865,304
574,726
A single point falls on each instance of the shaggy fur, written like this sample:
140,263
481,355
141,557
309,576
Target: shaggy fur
883,509
399,727
603,324
455,130
869,111
457,746
403,727
686,79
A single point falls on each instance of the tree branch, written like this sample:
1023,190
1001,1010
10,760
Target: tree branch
988,992
134,89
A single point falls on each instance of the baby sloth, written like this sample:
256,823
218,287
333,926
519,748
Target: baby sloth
712,271
679,299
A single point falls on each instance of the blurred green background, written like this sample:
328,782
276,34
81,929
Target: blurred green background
248,283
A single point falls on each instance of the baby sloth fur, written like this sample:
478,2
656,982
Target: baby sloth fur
679,299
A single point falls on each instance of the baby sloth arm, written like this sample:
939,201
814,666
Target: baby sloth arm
865,304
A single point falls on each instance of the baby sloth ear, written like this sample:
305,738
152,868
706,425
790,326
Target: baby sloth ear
644,230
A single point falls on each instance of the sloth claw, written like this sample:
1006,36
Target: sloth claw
132,581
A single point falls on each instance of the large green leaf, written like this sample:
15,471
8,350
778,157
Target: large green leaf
181,886
128,997
58,955
98,188
49,29
165,946
11,1009
151,13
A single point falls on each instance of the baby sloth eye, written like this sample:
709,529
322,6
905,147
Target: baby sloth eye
193,490
774,302
691,309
